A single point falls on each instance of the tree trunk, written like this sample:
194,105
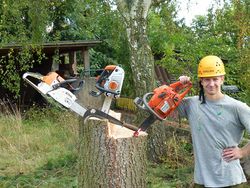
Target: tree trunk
134,14
161,137
109,156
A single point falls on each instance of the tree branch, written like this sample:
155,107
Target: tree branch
123,9
158,2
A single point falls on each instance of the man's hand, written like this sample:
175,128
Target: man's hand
184,79
232,153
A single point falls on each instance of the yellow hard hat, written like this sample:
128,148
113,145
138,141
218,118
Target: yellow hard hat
210,66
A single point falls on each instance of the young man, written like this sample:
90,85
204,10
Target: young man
217,124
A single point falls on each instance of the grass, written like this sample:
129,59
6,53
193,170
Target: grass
163,176
39,149
176,171
58,172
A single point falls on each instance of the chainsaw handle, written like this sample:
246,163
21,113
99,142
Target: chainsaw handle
178,86
69,82
34,75
78,88
110,67
60,84
37,76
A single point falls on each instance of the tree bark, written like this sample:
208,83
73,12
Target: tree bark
160,136
109,156
134,14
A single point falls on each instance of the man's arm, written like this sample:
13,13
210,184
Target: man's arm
182,107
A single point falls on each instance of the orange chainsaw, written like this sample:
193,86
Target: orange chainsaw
160,103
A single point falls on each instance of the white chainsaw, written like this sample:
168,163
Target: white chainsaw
54,88
109,83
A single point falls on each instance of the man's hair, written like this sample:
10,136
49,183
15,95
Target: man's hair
201,94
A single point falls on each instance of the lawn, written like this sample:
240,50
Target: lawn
38,148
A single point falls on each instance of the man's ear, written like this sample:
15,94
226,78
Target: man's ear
222,78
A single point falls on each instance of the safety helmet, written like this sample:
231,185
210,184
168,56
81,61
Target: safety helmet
210,66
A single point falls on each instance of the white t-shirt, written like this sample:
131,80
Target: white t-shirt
216,125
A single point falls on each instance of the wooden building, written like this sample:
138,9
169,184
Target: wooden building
67,52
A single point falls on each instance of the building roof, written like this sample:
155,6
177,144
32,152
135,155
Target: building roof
49,48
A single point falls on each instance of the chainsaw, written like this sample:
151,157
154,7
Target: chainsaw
161,102
109,83
54,88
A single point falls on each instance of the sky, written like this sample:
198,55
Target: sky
196,7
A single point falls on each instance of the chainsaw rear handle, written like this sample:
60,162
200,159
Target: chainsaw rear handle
64,82
32,74
101,91
178,86
80,86
68,82
38,76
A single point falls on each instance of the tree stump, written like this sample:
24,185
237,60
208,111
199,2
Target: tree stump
109,156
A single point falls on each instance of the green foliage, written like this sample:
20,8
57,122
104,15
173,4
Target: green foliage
219,33
13,26
179,153
41,114
16,63
171,43
125,104
29,22
19,25
100,60
223,32
105,24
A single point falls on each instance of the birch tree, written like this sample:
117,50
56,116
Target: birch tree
134,14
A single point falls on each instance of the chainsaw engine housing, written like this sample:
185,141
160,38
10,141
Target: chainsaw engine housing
165,99
110,81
